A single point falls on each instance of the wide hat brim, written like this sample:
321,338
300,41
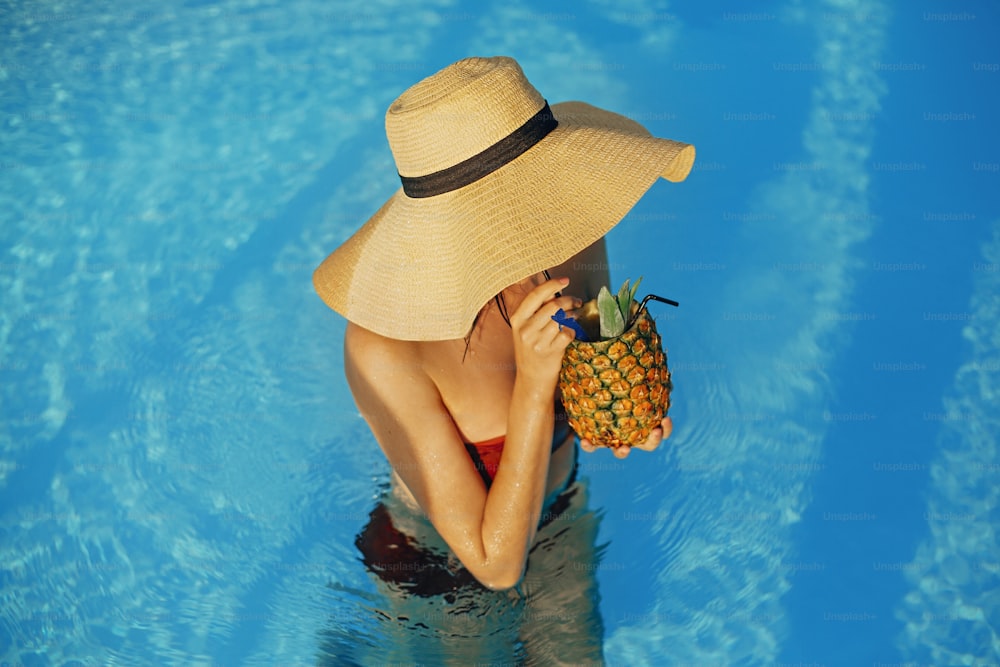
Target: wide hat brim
422,268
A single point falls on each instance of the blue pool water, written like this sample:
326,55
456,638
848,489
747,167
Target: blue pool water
182,470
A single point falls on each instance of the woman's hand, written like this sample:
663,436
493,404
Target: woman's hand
539,341
656,436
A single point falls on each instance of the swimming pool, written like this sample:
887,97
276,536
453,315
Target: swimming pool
183,473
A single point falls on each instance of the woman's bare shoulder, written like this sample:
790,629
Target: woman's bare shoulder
376,367
361,341
372,352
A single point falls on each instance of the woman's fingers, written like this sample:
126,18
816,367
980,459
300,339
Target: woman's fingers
543,316
657,435
539,341
534,322
655,439
536,298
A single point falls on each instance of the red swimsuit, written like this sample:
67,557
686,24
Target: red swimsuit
486,454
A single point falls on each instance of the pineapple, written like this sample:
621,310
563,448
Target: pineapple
616,387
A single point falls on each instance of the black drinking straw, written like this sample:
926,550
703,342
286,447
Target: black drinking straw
642,306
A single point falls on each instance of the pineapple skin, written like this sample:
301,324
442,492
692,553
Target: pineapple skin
616,391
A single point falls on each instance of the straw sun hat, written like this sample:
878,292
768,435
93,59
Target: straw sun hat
496,187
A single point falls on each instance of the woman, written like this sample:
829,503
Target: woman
451,351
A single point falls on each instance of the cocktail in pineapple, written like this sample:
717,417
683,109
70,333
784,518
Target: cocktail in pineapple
615,385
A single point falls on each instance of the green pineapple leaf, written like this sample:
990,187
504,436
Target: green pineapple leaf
627,311
623,301
612,322
631,295
626,295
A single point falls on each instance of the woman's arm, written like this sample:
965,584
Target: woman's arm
489,532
